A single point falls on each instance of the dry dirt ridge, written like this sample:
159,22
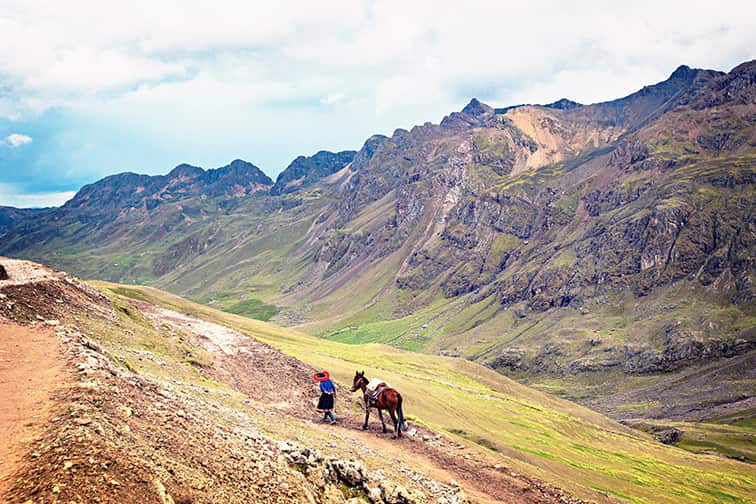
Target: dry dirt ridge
75,426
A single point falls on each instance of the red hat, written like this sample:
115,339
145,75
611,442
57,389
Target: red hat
321,376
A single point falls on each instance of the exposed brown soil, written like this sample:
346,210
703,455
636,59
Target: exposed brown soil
31,367
482,479
247,365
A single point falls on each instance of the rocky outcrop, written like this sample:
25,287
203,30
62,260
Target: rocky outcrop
328,471
305,171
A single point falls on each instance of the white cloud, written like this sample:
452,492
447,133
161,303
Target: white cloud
332,98
10,196
17,139
62,52
272,80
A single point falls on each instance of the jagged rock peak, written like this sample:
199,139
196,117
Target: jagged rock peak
239,163
365,154
683,72
749,67
563,104
306,170
477,108
239,166
186,170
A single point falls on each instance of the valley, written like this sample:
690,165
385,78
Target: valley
564,291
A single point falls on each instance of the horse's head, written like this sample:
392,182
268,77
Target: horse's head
359,379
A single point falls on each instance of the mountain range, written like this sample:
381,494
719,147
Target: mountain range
569,246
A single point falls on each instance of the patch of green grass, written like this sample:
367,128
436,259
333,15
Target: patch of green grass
615,493
727,440
130,293
745,418
535,451
253,308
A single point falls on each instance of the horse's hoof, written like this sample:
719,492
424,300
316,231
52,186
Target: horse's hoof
364,427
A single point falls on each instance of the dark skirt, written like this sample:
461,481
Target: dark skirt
325,403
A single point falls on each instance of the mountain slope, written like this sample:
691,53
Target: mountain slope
304,171
600,240
11,217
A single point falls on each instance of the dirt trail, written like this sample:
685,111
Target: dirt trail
250,366
31,367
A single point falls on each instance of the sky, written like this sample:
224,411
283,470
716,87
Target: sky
90,88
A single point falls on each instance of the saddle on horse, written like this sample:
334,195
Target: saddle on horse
374,389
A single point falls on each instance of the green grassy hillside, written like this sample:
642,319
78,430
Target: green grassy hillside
537,433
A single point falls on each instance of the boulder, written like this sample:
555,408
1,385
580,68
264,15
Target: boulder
669,436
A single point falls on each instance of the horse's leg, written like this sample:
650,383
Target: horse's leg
397,430
367,415
380,415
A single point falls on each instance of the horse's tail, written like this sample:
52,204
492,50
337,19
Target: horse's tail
400,412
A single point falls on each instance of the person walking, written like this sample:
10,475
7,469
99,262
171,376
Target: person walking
327,399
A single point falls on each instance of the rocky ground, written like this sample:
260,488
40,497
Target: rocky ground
96,431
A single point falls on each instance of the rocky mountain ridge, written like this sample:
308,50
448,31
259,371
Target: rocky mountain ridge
304,171
562,239
10,217
129,190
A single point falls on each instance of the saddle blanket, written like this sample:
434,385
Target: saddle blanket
374,387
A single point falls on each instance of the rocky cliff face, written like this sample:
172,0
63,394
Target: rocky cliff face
305,171
633,208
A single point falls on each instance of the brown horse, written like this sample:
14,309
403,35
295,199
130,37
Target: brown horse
388,399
